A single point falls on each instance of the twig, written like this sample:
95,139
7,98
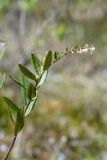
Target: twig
13,141
10,148
78,51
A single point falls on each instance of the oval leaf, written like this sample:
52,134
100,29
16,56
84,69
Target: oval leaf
47,61
56,56
31,106
31,91
25,83
19,121
11,104
36,63
27,72
42,79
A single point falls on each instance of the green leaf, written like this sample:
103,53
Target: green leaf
47,61
31,106
19,121
11,104
10,114
56,56
25,83
2,80
36,63
42,79
27,72
31,91
17,82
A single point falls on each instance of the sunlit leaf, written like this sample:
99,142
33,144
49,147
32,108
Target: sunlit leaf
31,106
27,72
42,78
47,60
36,63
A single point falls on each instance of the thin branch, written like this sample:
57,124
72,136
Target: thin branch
10,148
14,139
76,51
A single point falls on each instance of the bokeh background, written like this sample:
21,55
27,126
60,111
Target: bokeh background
69,121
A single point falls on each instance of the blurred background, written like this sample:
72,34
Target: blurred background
69,121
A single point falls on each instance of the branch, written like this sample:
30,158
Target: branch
78,50
10,148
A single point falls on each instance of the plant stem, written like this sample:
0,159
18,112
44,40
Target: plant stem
73,51
13,141
10,148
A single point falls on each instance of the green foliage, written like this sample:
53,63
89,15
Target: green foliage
16,81
19,121
11,104
31,91
42,79
36,63
47,60
10,114
31,106
25,83
89,157
27,72
4,3
56,56
11,107
30,88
